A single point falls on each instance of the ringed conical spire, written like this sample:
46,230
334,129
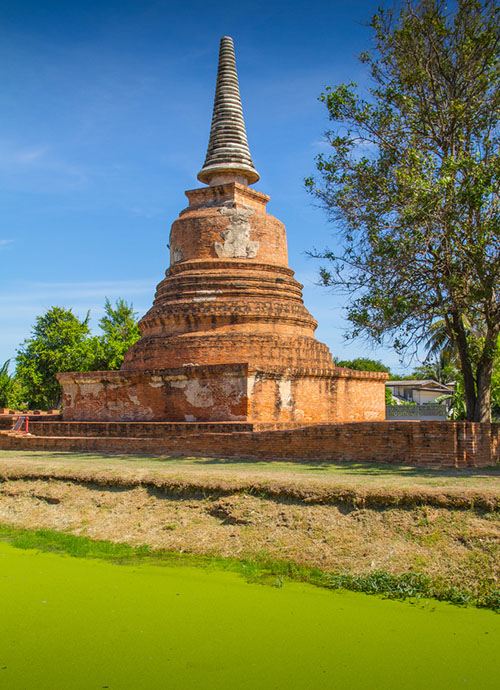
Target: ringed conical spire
228,156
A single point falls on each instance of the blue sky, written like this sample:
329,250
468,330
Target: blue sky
105,113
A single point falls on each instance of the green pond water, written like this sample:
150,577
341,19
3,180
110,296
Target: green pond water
69,624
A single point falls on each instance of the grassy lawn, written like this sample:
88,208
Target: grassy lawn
353,475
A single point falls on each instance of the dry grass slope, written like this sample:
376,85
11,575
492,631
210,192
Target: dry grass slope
341,518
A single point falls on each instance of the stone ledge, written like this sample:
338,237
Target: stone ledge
210,196
236,368
218,264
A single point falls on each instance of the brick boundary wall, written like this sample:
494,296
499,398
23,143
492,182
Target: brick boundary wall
437,444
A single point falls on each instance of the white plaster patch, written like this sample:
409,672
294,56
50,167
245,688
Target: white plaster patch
250,384
71,391
196,394
95,389
204,299
189,418
231,385
237,243
124,409
285,391
156,384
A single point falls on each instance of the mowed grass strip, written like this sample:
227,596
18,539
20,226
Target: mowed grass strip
351,483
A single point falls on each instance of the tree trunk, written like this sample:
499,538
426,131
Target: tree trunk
466,366
470,395
482,412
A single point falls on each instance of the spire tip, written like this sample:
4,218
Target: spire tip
228,156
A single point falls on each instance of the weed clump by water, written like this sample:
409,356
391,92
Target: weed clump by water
78,547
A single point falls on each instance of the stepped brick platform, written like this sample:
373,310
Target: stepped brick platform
428,444
213,304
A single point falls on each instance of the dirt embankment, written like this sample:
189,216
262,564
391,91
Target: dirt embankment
452,535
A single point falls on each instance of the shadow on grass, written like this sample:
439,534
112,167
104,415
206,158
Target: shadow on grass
356,468
317,467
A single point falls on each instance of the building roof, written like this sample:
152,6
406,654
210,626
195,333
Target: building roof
228,151
428,384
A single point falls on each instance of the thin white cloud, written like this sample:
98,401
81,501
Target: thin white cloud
320,145
27,156
83,290
38,161
5,243
19,156
22,303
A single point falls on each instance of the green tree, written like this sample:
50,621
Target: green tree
363,364
5,384
413,181
456,401
495,392
59,342
440,343
119,332
10,389
438,368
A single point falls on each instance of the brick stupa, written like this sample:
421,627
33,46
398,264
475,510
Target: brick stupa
228,337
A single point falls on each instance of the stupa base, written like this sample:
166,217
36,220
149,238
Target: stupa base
225,392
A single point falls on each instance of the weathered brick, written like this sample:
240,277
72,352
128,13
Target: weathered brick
428,444
228,337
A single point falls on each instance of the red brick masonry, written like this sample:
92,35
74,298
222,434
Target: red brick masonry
455,444
228,337
225,392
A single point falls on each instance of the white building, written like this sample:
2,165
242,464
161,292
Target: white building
419,392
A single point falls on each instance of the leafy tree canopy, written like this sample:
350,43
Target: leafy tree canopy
438,369
389,398
363,364
11,392
59,342
119,331
413,183
5,384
